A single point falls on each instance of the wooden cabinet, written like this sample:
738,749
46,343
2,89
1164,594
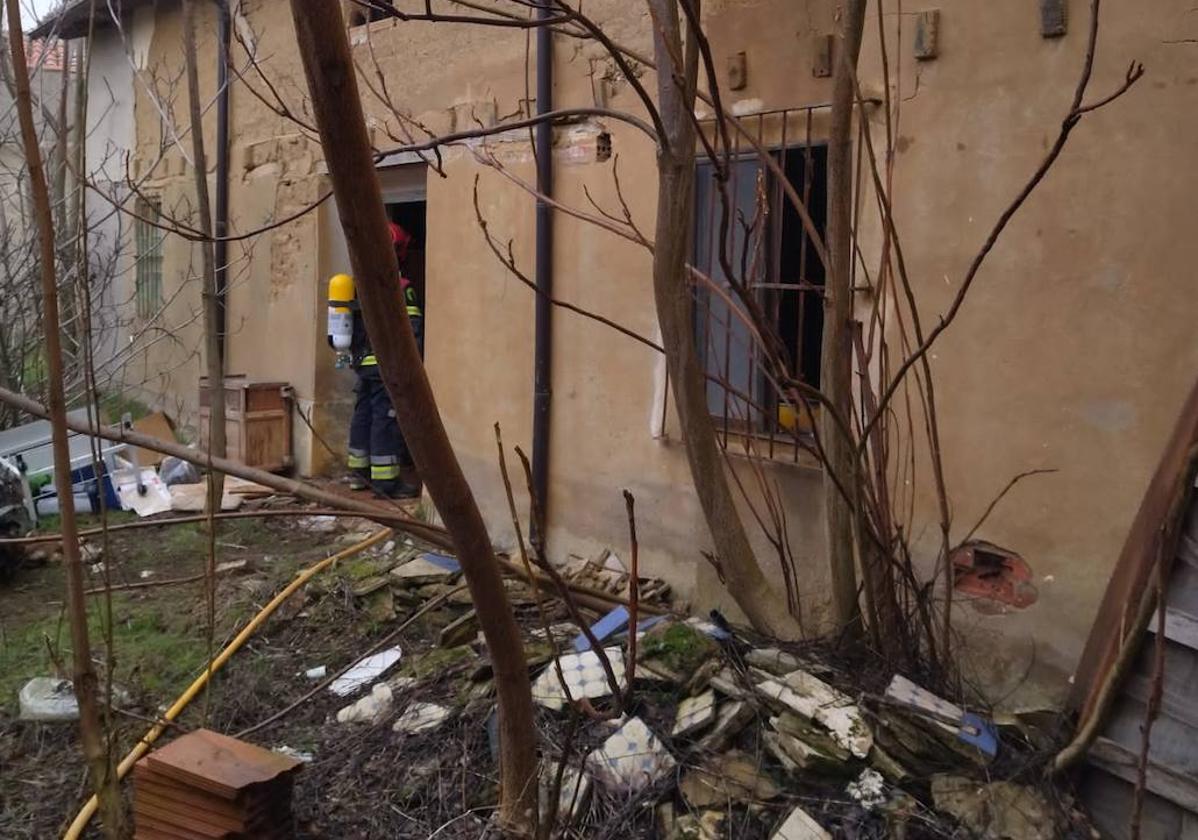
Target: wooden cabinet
257,422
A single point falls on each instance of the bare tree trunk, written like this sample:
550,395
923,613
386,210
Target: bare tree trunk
763,604
213,357
333,86
836,375
103,776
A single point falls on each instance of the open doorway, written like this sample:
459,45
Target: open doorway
405,197
410,215
332,398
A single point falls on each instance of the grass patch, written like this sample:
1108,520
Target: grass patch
678,646
156,649
52,523
116,406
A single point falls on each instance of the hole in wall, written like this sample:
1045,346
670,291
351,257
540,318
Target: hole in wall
996,579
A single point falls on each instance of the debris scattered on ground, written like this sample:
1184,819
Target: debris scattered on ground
317,524
365,672
174,471
422,570
192,498
721,734
373,708
49,700
631,759
800,826
420,717
995,810
204,784
584,675
694,713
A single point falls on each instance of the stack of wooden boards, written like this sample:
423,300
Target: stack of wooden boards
208,786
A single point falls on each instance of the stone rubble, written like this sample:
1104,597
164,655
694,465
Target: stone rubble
720,735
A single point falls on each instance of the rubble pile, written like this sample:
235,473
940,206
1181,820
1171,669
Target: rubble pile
708,733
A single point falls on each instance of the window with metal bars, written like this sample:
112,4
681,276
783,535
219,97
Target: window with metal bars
147,273
758,249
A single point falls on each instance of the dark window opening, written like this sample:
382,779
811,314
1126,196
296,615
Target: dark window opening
766,247
362,12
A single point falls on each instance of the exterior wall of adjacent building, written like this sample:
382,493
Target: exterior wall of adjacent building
1072,353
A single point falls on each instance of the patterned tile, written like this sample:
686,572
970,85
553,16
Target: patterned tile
694,713
631,759
584,676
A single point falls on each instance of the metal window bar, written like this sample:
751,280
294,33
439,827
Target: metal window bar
740,396
148,239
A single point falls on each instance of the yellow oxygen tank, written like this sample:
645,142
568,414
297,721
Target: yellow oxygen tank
341,316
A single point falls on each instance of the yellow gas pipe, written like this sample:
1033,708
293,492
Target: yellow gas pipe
89,809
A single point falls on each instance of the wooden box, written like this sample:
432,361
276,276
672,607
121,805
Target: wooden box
257,422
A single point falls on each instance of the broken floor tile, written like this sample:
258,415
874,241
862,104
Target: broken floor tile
602,628
812,698
800,755
812,735
373,708
562,631
584,677
995,811
777,662
365,671
773,743
419,571
731,718
631,759
727,779
420,717
693,714
572,797
903,691
800,825
726,683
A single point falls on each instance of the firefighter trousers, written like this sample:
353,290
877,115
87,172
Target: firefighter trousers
377,449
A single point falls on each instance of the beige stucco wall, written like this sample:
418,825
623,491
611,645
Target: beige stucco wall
1072,352
1075,347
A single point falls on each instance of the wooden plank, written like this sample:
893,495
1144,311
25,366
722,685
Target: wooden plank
1108,802
1180,627
1137,560
1182,790
1180,698
1172,743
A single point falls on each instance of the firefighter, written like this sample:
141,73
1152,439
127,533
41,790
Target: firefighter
377,449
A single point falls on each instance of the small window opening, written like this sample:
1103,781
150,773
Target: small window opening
767,247
362,12
147,283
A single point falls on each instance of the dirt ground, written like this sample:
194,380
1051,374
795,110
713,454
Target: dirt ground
363,781
160,642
